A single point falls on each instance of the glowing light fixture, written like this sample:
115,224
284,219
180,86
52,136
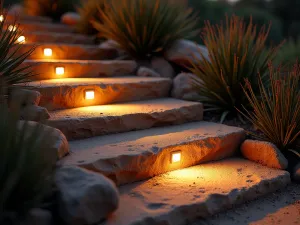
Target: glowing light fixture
60,70
89,94
175,156
21,40
1,18
47,52
12,28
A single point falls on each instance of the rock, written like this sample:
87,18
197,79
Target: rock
264,153
163,67
85,197
24,97
16,10
70,18
109,44
60,145
34,113
184,51
38,217
183,87
296,173
146,72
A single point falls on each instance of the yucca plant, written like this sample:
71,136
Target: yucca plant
144,28
27,164
289,52
236,51
276,112
50,8
88,11
11,70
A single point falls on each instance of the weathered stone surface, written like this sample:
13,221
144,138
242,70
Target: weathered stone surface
34,113
264,153
70,93
70,18
70,52
134,156
26,18
109,44
81,68
184,51
146,72
182,196
85,197
15,10
163,67
296,173
38,217
61,145
23,97
106,119
183,87
42,26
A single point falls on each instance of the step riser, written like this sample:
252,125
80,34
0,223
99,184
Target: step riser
58,38
23,18
72,52
85,128
63,97
82,69
43,27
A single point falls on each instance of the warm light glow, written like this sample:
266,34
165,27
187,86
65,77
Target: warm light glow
12,28
59,70
1,18
175,156
21,40
48,52
89,94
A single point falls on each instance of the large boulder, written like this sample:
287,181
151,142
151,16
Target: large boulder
296,173
85,197
23,97
70,18
34,113
111,44
147,72
38,217
184,51
163,67
264,153
183,87
16,10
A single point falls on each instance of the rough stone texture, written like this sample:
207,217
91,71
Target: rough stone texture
264,153
42,26
146,72
34,113
85,197
163,67
134,156
70,18
81,68
23,97
182,196
184,51
12,16
70,51
38,217
49,37
296,173
183,87
70,93
99,120
61,145
112,44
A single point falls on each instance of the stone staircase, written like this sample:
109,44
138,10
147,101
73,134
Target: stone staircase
129,129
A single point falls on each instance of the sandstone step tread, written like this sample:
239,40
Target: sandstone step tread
70,92
43,26
99,120
138,155
26,18
182,196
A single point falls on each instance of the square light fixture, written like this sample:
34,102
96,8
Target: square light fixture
89,94
12,28
60,70
21,40
48,52
175,156
1,18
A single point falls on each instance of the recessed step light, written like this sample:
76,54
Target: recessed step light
47,52
89,94
60,70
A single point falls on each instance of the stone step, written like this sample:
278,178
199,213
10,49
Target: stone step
71,92
26,18
85,122
183,196
48,68
69,51
41,26
50,37
138,155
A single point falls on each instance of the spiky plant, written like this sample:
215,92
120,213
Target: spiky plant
11,70
88,11
144,28
289,52
27,165
50,8
236,51
276,112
